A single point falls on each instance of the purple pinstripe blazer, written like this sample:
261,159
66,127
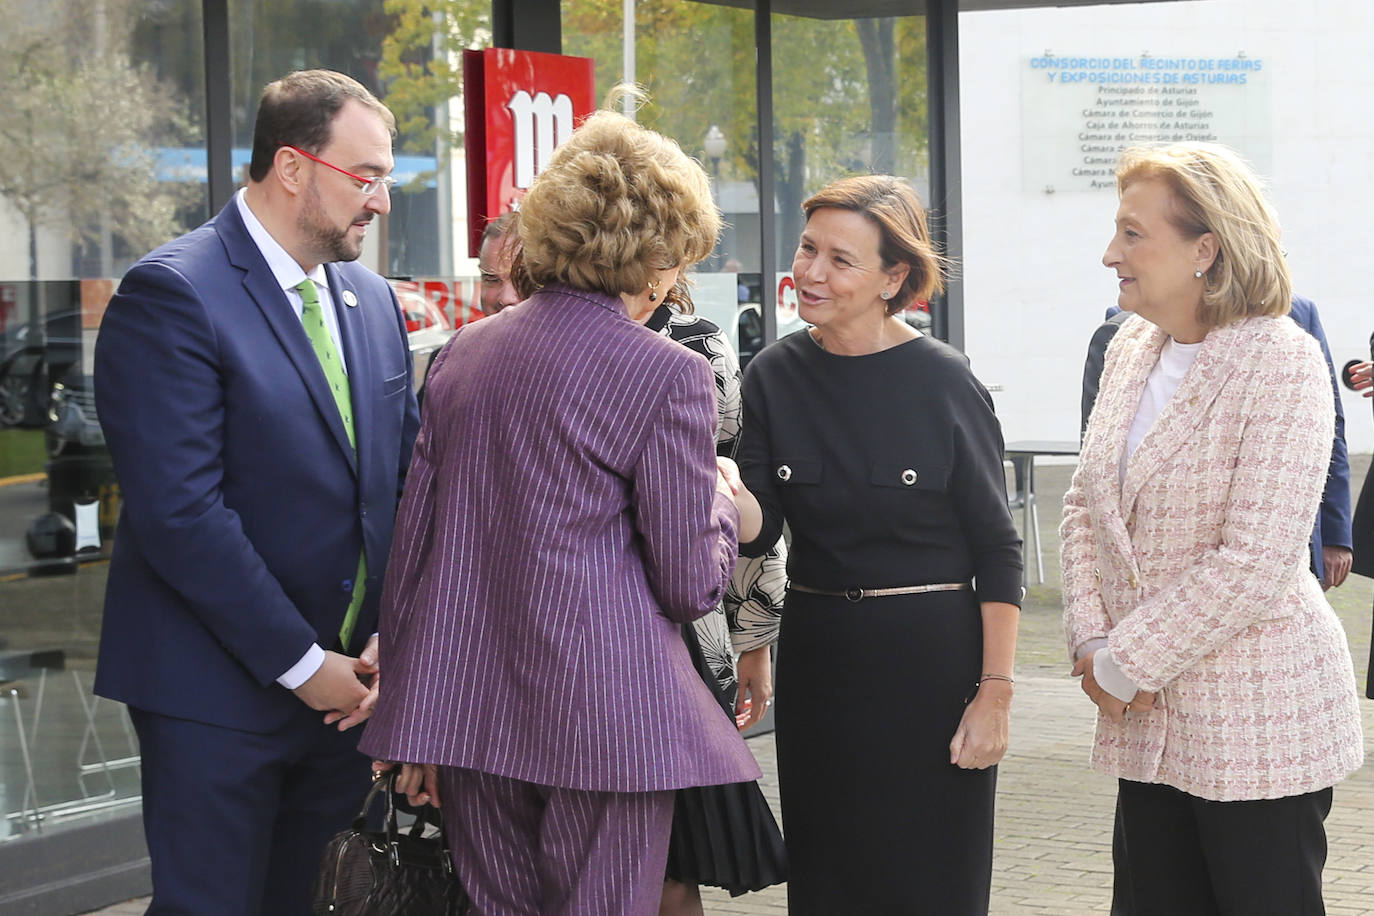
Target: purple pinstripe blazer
559,521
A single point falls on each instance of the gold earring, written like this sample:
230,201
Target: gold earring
653,287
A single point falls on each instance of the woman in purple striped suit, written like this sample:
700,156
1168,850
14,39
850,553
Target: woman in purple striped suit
723,836
562,517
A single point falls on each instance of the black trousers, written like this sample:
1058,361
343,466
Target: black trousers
1175,854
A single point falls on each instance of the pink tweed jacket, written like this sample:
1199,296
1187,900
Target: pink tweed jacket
1196,568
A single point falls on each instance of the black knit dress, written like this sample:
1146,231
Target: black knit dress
888,470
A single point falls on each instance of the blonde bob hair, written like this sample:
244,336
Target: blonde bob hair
1215,191
904,238
616,204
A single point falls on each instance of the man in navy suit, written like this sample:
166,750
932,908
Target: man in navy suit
1331,535
254,388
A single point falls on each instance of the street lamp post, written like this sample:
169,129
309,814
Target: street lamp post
714,146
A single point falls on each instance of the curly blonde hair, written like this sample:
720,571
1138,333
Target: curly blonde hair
616,204
1215,191
895,208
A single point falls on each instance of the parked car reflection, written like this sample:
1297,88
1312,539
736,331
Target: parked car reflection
427,328
31,353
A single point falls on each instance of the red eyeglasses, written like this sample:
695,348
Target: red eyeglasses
368,186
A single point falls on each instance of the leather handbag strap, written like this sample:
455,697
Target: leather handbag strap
424,816
389,781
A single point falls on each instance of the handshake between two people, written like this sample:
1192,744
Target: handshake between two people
728,482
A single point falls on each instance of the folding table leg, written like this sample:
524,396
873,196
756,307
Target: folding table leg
30,800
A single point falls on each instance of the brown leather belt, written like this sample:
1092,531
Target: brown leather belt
859,594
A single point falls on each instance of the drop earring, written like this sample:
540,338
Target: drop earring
1198,274
653,290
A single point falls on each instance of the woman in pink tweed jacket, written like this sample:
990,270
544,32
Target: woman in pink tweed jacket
1227,702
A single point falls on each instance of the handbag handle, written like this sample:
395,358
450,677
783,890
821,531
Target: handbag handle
427,814
378,781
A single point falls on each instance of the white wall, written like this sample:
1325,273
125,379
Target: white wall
1035,287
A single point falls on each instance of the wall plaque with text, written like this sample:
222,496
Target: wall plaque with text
1078,112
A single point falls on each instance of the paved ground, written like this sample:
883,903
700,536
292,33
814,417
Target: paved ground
1054,816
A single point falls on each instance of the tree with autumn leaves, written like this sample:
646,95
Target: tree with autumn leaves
80,125
849,94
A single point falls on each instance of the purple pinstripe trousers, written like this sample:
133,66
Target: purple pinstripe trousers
523,849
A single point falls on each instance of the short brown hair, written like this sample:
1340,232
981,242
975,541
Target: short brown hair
501,225
895,208
515,251
1215,191
616,203
299,110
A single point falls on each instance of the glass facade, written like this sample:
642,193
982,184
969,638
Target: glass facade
849,98
105,145
100,96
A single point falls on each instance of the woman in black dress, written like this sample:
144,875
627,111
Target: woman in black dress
880,450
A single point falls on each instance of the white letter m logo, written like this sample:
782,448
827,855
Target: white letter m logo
541,123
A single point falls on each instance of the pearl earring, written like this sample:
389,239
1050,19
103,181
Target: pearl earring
1198,274
653,287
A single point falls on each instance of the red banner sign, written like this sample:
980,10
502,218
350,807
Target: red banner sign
520,105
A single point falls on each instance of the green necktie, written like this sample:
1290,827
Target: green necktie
312,317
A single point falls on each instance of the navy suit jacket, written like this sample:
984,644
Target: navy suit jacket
1333,519
244,506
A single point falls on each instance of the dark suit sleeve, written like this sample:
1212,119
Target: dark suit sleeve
1092,367
1362,530
979,490
1334,518
161,404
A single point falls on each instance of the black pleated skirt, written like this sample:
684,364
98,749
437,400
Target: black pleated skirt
724,836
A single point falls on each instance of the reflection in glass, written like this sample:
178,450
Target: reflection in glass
100,94
849,98
696,60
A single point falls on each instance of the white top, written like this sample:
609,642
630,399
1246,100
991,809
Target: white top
1165,377
1174,361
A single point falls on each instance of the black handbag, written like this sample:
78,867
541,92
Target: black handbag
388,872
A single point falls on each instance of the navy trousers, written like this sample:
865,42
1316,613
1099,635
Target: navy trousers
236,821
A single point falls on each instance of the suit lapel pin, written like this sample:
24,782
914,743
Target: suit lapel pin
349,299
